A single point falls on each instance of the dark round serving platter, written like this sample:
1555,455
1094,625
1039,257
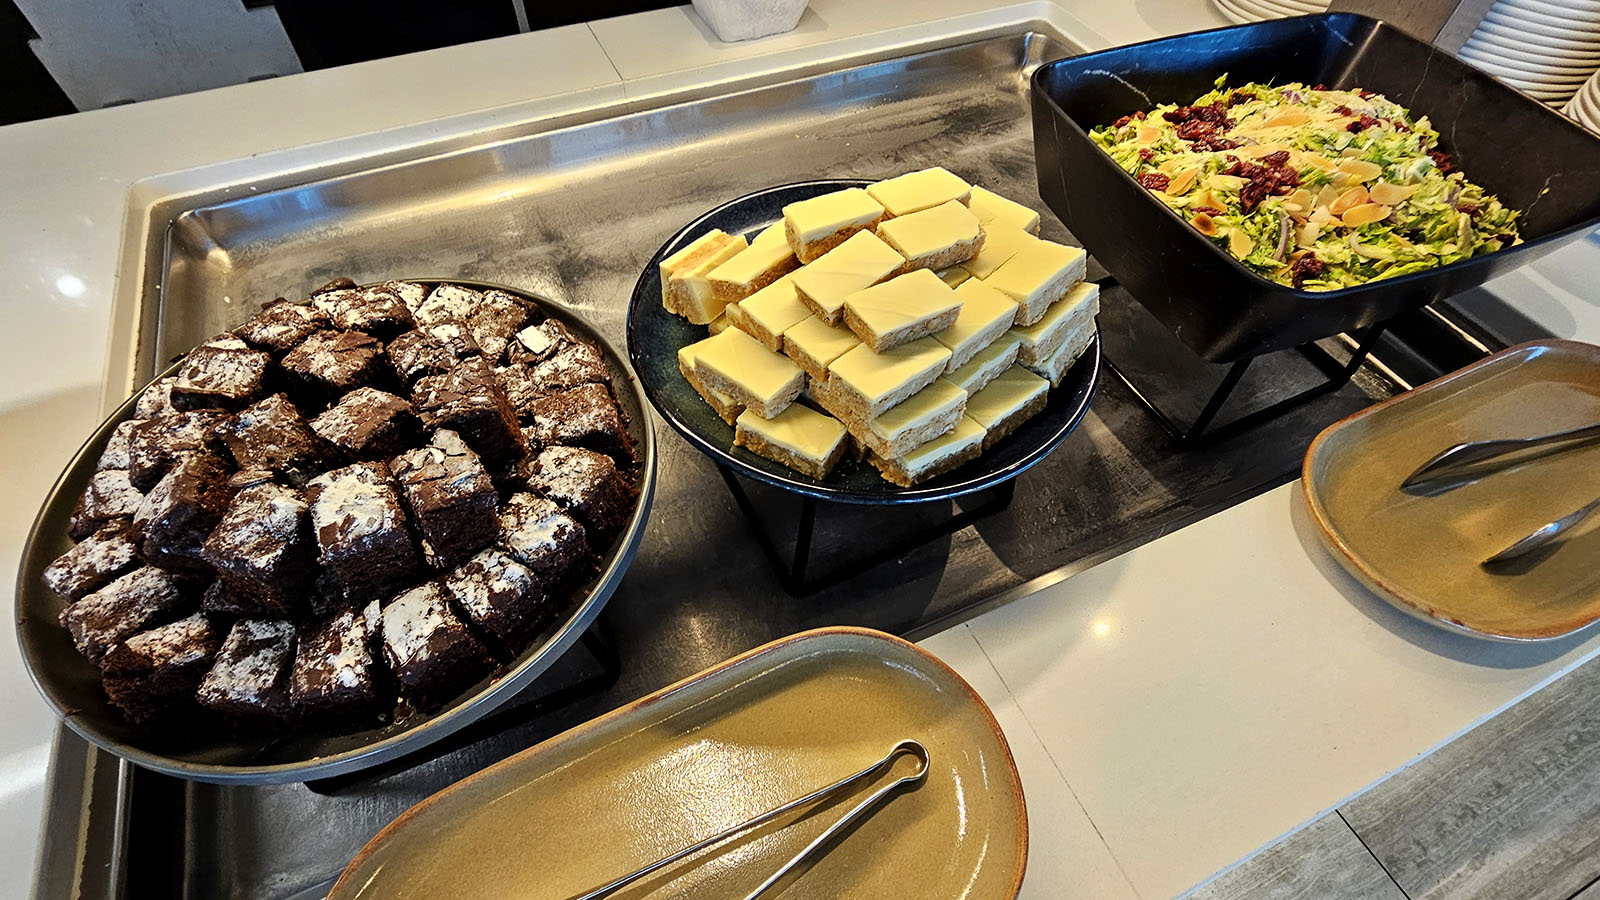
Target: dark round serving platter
71,684
655,335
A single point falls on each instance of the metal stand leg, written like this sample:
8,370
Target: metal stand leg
1196,434
792,574
597,641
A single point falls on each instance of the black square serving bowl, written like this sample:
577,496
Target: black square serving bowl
1536,160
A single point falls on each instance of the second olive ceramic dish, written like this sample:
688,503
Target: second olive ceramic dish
719,748
1420,549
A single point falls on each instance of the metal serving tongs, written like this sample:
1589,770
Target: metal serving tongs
906,747
1472,453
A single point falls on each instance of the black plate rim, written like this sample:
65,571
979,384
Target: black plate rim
464,711
891,494
1558,236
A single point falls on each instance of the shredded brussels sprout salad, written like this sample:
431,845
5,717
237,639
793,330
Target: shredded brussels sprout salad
1310,187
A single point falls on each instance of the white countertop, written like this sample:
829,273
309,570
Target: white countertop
1171,710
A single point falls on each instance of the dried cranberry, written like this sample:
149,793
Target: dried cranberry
1139,114
1279,158
1305,267
1361,124
1239,97
1208,210
1251,195
1506,238
1146,154
1320,87
1122,121
1442,160
1344,110
1155,181
1470,209
1366,95
1195,129
1179,114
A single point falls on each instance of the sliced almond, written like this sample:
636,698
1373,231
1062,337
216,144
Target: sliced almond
1181,182
1360,168
1209,198
1148,134
1168,166
1289,118
1389,193
1306,235
1326,196
1321,216
1204,224
1365,214
1226,182
1301,198
1348,200
1239,243
1321,162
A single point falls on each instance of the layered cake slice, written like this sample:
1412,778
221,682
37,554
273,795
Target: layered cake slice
159,669
956,447
685,276
726,406
800,438
741,367
869,384
859,262
936,237
993,209
987,365
927,414
1038,275
1054,368
814,344
1067,316
250,679
901,310
815,226
1015,397
768,258
924,189
986,314
1000,243
769,312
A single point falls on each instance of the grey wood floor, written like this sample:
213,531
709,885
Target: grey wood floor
1510,811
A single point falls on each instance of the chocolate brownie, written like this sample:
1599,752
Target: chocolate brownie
180,512
431,653
369,424
409,292
217,600
361,531
160,442
588,485
159,669
334,671
115,455
377,311
281,326
93,563
583,416
223,372
155,399
500,597
273,436
342,283
249,679
138,600
450,497
496,321
330,363
517,381
544,537
263,550
326,596
448,303
107,499
469,401
433,350
537,343
571,366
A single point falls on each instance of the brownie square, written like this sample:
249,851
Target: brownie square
271,435
108,498
155,399
501,597
433,350
448,303
588,485
156,445
281,326
101,557
220,373
517,381
361,531
330,363
180,512
450,497
115,455
469,401
377,311
571,366
249,679
537,343
335,673
583,416
262,549
429,650
496,321
327,595
543,537
409,292
369,424
159,669
138,600
217,600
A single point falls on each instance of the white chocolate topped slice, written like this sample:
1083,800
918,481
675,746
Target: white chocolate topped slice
987,365
1038,275
953,276
936,457
1074,311
915,191
862,261
985,315
936,237
1016,396
685,287
766,260
800,438
999,245
815,226
993,209
814,345
740,366
900,310
869,384
721,323
1055,367
769,312
922,417
724,404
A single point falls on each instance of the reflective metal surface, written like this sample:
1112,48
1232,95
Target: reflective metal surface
573,214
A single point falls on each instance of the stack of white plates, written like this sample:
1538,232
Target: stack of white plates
1242,11
1545,48
1585,104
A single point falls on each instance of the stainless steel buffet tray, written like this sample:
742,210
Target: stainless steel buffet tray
571,209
